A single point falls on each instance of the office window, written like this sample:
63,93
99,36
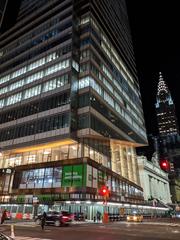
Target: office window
14,99
34,77
85,53
108,99
108,85
36,64
3,90
16,85
50,85
62,80
31,92
1,103
5,79
84,82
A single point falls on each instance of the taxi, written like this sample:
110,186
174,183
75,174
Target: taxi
134,218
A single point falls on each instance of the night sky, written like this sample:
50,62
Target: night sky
155,26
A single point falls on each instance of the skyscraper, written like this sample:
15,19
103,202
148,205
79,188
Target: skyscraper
168,141
165,109
71,113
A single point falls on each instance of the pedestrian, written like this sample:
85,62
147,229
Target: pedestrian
98,216
43,220
4,215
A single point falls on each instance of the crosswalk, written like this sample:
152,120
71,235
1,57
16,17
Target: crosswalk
29,238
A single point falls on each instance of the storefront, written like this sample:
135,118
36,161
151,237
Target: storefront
42,186
87,208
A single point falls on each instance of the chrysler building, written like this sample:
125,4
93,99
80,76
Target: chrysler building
165,110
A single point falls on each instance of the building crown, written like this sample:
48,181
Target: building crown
163,93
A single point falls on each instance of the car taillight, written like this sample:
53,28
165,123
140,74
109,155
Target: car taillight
65,217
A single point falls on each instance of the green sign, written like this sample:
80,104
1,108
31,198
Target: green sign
77,175
67,176
73,176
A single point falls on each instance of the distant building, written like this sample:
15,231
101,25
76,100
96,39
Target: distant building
153,180
165,109
168,140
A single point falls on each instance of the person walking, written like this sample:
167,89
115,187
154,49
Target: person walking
98,216
4,215
43,220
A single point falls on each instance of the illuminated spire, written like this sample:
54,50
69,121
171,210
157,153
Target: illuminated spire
162,87
165,110
163,93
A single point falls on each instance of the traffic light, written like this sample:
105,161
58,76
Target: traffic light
104,191
165,165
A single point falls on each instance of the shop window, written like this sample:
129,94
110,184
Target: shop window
32,158
86,151
55,154
73,151
63,152
79,151
28,209
47,155
48,178
39,156
91,153
57,176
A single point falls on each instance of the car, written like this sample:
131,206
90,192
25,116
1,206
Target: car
134,218
56,218
5,237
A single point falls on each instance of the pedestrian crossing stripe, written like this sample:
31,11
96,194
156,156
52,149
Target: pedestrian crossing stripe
29,238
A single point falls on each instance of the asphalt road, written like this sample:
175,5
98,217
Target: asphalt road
114,231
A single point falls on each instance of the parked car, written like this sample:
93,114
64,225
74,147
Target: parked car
56,218
134,218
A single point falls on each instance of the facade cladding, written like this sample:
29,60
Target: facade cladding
71,113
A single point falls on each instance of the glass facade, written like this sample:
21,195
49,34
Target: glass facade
35,107
41,178
35,127
97,151
71,113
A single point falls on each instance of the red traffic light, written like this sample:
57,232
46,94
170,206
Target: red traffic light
164,164
103,191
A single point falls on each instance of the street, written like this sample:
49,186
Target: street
111,231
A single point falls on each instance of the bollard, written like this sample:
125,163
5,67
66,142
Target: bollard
12,231
105,218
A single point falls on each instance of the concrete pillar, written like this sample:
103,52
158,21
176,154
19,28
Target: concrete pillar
124,167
